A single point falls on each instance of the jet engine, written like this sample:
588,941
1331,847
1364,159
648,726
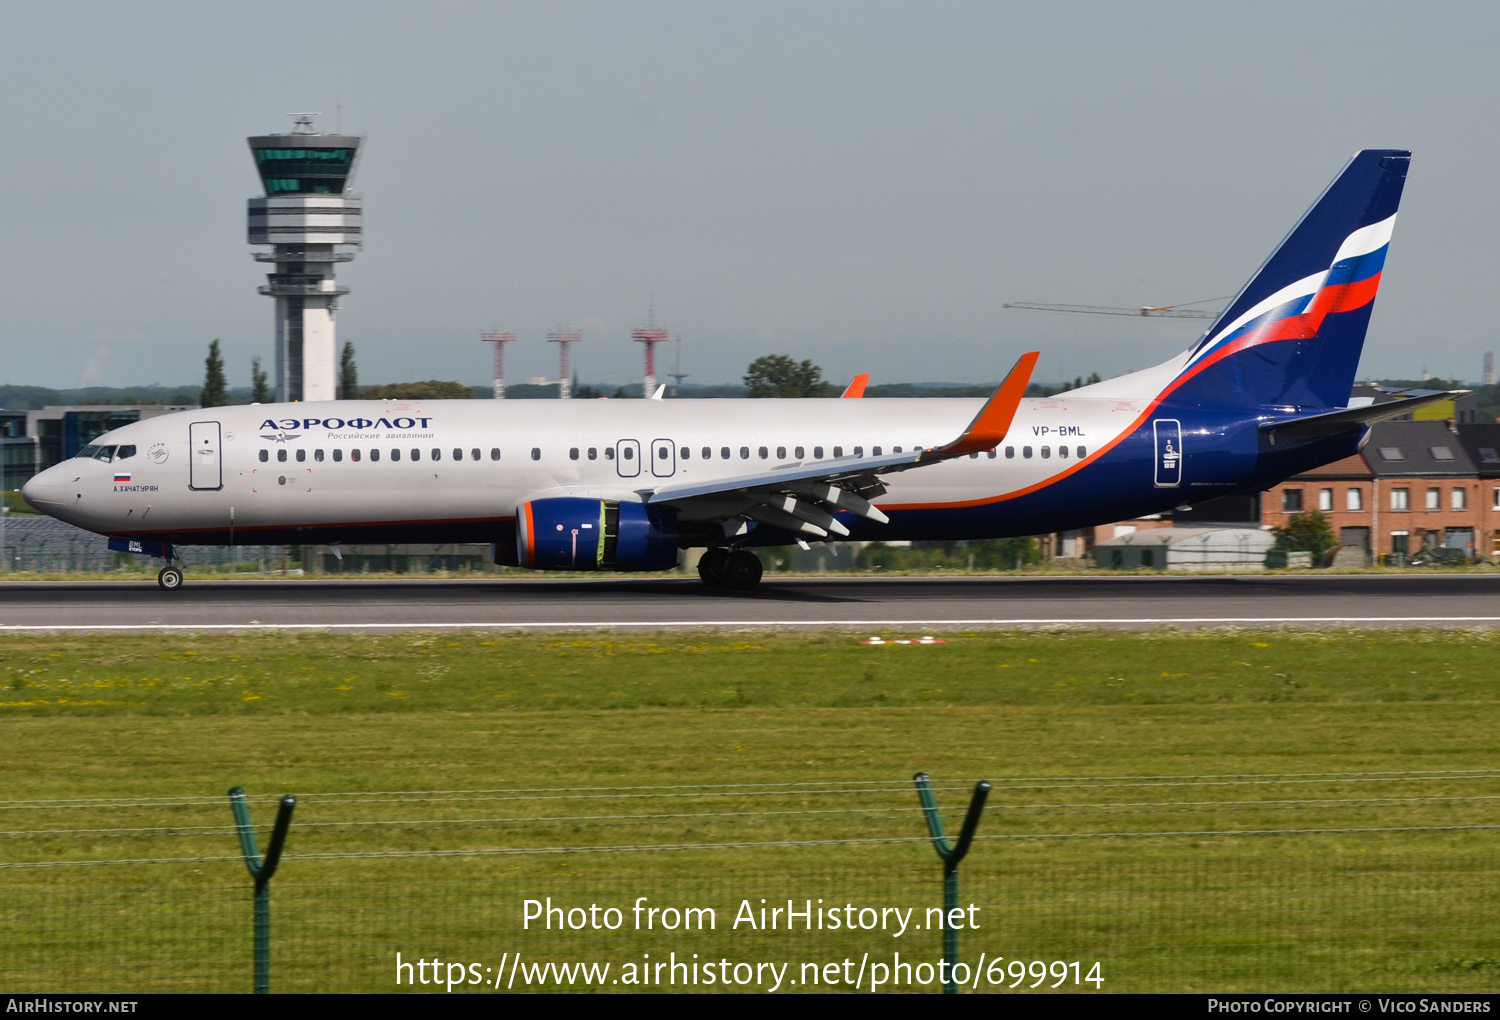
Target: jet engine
572,533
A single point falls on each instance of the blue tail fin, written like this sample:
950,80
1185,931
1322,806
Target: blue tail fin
1293,335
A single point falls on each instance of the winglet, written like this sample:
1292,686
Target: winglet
993,420
857,386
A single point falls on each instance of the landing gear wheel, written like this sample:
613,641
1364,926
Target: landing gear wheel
170,578
742,572
711,567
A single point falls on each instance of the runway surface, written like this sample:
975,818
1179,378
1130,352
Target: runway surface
1405,600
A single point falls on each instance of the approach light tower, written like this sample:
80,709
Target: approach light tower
306,213
650,336
564,338
499,340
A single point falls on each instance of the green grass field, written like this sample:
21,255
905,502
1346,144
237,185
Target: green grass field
349,723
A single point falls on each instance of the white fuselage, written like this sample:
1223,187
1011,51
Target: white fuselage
279,466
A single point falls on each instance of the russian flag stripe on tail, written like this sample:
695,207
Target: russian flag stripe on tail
1293,335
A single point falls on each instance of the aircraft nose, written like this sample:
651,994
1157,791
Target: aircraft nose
46,487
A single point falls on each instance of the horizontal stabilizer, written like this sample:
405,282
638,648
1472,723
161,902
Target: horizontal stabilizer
1346,420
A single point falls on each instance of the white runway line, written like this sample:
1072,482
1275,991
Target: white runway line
664,624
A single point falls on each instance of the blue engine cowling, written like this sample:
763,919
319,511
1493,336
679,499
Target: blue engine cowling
572,533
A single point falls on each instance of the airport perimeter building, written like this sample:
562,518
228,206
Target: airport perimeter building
1417,485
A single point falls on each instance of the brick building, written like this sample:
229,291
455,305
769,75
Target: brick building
1417,485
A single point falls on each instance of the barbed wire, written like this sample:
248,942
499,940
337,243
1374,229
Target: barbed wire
662,818
1026,782
748,845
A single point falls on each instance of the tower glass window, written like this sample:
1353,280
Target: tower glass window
304,170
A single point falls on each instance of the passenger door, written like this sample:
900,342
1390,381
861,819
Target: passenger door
663,458
205,465
628,458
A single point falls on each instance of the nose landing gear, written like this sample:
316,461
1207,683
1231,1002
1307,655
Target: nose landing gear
737,571
170,578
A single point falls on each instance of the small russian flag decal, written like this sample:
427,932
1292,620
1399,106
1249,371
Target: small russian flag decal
122,476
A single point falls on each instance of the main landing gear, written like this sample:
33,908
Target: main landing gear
170,578
738,571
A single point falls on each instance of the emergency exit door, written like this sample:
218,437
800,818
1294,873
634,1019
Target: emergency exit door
205,463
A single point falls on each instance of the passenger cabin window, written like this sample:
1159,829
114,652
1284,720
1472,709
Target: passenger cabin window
573,453
874,451
474,453
744,453
458,454
593,453
437,454
281,456
1046,452
264,456
374,455
817,453
723,453
1010,453
1026,452
416,455
609,453
629,453
799,453
685,453
992,453
708,453
895,449
318,456
838,451
338,455
781,453
663,453
859,451
395,455
1062,451
354,455
301,456
124,452
536,453
1083,451
764,453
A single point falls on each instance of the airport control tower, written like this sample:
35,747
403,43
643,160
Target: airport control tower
307,212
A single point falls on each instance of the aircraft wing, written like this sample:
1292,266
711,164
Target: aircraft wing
1334,422
799,498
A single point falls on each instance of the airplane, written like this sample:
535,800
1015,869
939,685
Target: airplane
625,485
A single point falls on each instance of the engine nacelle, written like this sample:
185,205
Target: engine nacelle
573,533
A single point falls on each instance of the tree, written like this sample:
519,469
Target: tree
348,373
432,389
1306,531
776,375
215,389
260,393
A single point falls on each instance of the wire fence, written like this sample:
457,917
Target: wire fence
1371,881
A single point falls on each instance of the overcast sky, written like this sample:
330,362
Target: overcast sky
860,183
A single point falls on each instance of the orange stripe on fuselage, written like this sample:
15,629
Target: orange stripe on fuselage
1341,298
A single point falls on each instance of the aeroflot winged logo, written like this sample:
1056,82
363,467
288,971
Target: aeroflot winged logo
280,426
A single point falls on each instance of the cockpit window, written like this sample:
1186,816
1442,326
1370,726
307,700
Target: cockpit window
106,454
124,452
88,452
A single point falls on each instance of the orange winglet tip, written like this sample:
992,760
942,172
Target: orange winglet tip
856,387
992,422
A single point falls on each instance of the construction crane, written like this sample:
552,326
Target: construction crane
1182,311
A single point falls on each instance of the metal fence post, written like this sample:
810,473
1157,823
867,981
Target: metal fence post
950,856
261,871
